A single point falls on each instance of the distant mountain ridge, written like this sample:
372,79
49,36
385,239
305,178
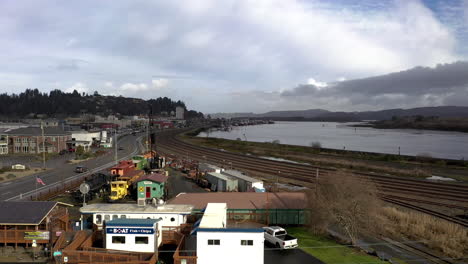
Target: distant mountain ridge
325,115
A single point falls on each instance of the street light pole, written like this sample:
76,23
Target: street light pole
115,144
43,146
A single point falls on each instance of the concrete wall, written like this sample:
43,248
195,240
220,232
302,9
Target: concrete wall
230,250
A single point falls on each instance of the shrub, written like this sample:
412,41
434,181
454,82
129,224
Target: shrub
2,179
11,176
276,141
316,145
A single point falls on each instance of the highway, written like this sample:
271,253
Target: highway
26,187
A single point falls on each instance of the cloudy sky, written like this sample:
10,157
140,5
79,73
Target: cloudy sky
242,55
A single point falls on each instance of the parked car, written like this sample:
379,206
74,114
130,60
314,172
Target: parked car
278,237
81,169
121,148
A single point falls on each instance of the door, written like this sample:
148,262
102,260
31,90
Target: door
148,192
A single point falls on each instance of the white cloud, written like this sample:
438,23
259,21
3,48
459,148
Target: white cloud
70,42
160,83
133,87
109,84
79,87
317,84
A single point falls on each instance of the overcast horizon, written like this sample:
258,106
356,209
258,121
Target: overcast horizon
242,55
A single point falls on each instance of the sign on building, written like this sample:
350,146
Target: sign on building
36,235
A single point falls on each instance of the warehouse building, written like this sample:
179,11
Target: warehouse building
221,182
282,208
245,183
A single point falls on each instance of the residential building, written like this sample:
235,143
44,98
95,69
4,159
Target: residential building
179,112
25,221
3,143
29,140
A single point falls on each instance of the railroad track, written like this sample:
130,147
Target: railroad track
399,188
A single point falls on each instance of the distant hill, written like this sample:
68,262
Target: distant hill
31,103
324,115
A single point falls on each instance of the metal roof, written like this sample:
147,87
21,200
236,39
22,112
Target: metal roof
133,222
244,200
133,208
238,174
222,176
36,131
231,230
155,177
24,213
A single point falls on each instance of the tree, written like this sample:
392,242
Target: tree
79,152
345,202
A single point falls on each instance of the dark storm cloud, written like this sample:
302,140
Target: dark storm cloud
301,90
442,79
419,80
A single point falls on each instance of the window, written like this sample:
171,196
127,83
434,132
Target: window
118,240
53,139
18,140
172,219
246,242
141,240
25,140
269,232
98,219
107,217
154,188
123,216
115,217
214,242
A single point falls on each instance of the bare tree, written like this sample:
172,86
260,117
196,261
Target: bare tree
346,202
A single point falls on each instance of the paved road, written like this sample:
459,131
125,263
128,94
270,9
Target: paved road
290,256
26,186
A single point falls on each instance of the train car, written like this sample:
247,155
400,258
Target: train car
122,186
98,183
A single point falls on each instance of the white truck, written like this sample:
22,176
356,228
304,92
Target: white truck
278,237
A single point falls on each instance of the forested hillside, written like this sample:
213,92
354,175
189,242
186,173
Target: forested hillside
61,104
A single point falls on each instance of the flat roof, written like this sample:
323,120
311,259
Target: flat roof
238,174
24,213
133,222
222,176
133,208
231,230
244,200
214,216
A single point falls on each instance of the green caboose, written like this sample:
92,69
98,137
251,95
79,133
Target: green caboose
151,186
140,162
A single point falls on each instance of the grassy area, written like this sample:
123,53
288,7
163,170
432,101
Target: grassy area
328,250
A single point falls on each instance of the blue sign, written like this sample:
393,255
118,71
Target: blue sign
137,231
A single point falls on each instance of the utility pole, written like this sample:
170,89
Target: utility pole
115,144
43,146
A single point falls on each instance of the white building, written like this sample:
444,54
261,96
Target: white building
87,139
179,112
245,183
137,235
218,243
169,214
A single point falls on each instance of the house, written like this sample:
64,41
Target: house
136,235
151,186
3,143
282,208
140,162
29,140
170,214
216,239
23,222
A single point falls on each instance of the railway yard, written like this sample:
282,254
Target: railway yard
448,201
